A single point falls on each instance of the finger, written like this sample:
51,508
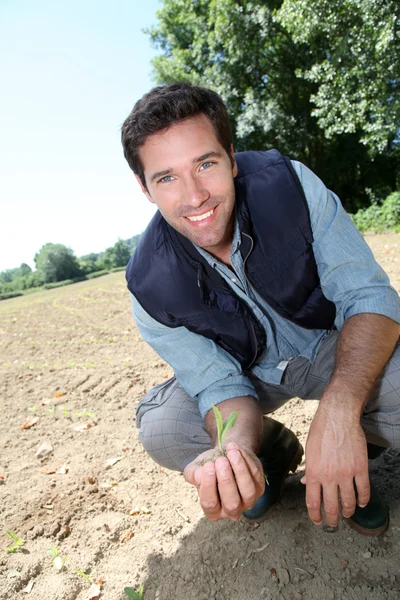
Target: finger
313,502
189,473
363,489
245,483
231,501
348,498
256,471
331,504
208,492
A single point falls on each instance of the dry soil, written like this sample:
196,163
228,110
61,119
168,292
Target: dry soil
73,359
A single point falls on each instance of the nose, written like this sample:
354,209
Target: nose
194,191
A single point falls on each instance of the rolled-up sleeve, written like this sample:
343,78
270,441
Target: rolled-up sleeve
204,370
348,271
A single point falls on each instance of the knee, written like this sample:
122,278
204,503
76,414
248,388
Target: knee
173,439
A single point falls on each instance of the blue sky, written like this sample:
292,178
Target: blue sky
70,74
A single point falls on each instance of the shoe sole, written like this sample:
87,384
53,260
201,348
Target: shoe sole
369,532
291,469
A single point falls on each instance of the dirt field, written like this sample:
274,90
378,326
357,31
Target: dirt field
72,358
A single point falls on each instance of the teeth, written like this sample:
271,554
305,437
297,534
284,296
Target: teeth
201,217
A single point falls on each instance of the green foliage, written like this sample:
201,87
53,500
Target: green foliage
130,592
7,295
17,545
56,262
10,274
133,242
84,575
222,427
97,274
250,53
116,269
50,286
356,64
117,255
380,217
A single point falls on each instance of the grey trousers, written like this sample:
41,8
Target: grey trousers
172,431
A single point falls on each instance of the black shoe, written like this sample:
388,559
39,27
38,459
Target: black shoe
373,519
280,453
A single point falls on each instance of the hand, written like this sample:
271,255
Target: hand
227,485
336,456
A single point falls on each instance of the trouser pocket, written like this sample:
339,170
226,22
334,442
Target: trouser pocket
154,398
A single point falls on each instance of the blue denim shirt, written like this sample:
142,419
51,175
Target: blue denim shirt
349,276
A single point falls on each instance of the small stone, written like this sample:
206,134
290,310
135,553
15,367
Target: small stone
44,450
345,564
283,575
367,555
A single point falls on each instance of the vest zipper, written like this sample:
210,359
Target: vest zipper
253,333
248,254
254,337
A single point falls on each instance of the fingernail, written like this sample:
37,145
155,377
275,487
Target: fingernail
197,476
362,505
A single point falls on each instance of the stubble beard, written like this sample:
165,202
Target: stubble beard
217,233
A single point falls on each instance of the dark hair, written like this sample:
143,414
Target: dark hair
165,105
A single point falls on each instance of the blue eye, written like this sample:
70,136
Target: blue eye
206,165
166,179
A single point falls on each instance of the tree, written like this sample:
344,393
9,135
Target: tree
56,262
24,269
356,50
10,274
242,51
116,256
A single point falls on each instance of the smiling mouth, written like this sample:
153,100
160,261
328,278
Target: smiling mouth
201,217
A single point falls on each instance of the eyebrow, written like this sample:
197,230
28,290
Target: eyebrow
165,172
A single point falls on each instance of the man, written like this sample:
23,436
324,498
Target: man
254,285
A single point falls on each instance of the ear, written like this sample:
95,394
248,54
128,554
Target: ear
234,165
144,190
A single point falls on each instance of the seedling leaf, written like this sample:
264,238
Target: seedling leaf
12,535
222,427
17,545
228,424
130,592
53,552
220,424
85,575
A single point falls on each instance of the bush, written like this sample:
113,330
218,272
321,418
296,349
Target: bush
115,269
380,217
97,274
56,284
10,295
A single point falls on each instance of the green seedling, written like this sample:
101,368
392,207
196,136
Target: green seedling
32,409
52,409
130,592
65,411
85,575
222,427
18,543
58,561
85,413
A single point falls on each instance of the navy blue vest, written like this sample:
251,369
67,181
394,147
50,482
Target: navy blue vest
177,287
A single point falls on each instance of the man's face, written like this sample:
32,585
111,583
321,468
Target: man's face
189,177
